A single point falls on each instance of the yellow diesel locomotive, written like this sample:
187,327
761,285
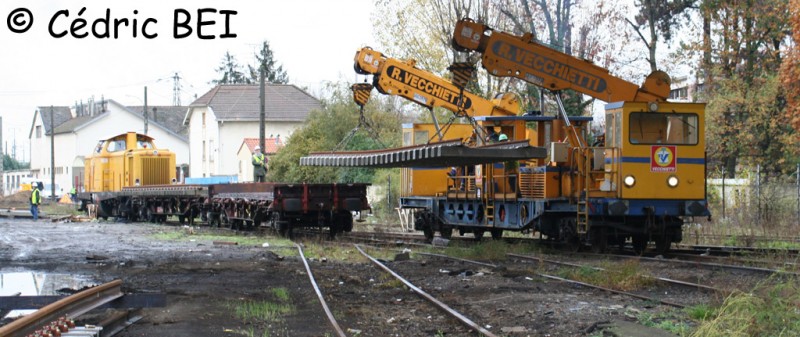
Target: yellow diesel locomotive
128,159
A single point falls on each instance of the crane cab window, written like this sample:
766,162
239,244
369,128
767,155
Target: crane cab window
663,128
116,145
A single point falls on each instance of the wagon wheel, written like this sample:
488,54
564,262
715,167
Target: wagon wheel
599,240
284,228
446,232
569,235
428,232
335,228
478,233
639,243
663,243
497,234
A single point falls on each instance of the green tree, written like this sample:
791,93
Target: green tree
324,131
265,60
230,71
9,164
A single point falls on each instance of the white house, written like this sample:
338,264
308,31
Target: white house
245,154
77,130
221,118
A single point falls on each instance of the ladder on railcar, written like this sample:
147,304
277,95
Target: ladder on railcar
488,195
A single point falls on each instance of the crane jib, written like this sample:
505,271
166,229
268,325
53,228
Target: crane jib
428,87
549,67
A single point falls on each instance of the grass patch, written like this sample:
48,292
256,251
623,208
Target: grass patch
282,294
701,312
348,253
256,312
390,282
778,245
664,322
770,310
182,235
492,250
625,276
54,208
263,311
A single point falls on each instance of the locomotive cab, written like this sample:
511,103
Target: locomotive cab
129,159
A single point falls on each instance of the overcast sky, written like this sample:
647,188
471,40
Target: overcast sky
314,40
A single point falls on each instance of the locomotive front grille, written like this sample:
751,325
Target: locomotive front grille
155,171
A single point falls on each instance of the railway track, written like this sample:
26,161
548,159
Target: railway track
57,319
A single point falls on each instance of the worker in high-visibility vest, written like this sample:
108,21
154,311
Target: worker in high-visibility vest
259,165
36,199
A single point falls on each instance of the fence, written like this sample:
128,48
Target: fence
755,196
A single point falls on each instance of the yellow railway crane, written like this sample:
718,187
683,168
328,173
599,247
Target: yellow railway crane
649,174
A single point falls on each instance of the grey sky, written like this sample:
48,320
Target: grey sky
314,40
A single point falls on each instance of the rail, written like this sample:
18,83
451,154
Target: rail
68,307
328,312
428,297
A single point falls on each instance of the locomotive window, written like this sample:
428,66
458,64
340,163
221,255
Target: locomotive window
144,144
663,128
99,146
116,145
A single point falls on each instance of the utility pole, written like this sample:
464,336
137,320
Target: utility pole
176,90
262,110
144,113
52,154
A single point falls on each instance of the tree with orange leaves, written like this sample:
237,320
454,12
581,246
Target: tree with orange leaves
790,69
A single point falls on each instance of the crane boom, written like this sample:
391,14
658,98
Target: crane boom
508,55
403,78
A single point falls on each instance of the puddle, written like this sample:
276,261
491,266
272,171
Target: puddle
28,283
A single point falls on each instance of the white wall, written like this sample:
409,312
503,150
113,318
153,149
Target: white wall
222,140
203,136
244,160
81,142
233,133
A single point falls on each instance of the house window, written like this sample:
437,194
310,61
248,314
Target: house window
38,131
204,150
204,118
240,167
211,150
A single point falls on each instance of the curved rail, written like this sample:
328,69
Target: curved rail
331,319
430,298
68,307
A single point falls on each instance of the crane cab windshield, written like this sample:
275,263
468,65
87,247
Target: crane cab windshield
663,128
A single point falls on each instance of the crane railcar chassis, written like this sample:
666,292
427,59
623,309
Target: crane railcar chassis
238,206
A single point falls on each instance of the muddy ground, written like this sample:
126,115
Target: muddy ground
204,282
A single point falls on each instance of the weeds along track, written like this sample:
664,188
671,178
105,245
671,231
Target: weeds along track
626,279
726,278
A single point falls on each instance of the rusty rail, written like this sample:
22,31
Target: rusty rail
430,298
331,319
68,307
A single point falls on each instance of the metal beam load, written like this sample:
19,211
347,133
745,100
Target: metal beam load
439,154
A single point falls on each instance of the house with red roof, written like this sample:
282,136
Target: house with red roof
245,154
